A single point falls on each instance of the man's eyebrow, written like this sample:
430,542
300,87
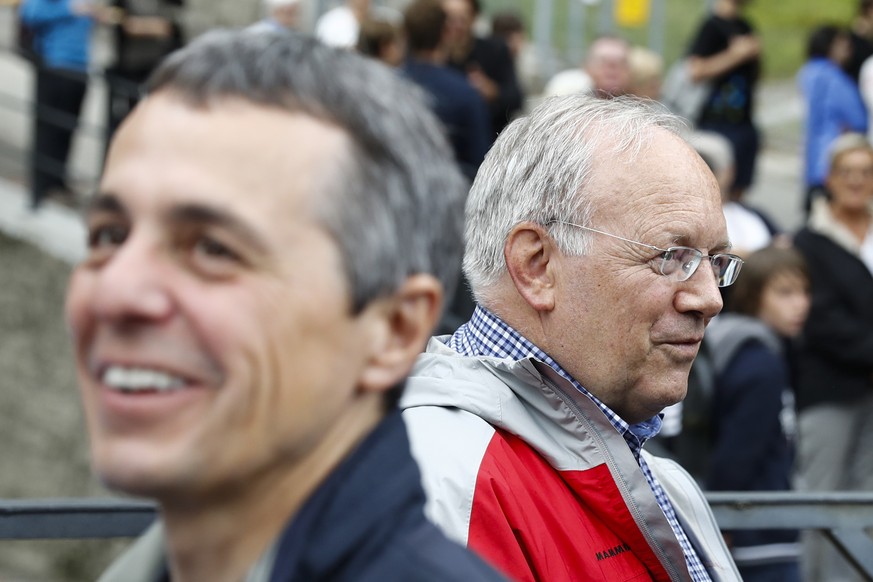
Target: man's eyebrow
209,215
104,202
721,247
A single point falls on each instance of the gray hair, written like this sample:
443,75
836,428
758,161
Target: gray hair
539,170
397,205
844,144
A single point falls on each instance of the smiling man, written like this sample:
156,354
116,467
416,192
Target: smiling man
595,249
269,246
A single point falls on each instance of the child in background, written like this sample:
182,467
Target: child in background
753,406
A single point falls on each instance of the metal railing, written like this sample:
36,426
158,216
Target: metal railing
842,517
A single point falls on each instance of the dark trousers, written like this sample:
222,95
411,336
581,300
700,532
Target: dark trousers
785,572
59,97
745,141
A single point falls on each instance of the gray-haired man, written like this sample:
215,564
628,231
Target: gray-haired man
269,246
595,248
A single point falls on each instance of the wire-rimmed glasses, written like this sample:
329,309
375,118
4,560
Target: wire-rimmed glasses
679,263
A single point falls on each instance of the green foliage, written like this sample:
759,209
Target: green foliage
785,26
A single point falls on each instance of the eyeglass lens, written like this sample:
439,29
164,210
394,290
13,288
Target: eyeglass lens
681,262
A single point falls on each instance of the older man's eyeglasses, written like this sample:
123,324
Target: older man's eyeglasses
679,263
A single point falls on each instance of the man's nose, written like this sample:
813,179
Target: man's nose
133,284
700,292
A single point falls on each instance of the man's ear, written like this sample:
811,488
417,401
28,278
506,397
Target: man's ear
405,321
530,254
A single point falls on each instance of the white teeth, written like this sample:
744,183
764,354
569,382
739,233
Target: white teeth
137,379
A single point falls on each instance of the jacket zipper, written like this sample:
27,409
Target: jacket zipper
613,469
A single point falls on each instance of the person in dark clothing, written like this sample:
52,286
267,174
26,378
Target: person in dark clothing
835,361
726,51
861,39
62,30
454,101
248,311
459,107
753,422
508,26
145,32
487,63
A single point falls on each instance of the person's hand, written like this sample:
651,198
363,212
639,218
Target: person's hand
488,89
745,47
108,15
153,26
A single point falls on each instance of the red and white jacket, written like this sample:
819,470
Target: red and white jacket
528,472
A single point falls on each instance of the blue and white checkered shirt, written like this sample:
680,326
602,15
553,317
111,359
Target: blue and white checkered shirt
488,335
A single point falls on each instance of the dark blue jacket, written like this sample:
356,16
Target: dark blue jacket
752,424
366,523
459,107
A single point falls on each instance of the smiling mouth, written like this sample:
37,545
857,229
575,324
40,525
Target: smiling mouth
140,380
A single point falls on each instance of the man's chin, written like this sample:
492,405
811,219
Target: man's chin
135,476
670,393
134,483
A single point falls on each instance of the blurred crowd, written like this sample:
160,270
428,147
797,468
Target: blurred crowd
782,396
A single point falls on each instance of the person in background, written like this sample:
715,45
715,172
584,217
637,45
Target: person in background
605,72
568,82
279,15
833,104
509,27
595,246
62,32
726,51
835,360
486,62
382,40
646,72
340,26
753,423
861,39
267,253
457,104
749,228
144,31
608,64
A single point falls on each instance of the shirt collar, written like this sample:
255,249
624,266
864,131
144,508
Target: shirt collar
488,335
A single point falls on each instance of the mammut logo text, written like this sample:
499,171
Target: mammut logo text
612,552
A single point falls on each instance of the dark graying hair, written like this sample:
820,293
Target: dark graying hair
396,207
